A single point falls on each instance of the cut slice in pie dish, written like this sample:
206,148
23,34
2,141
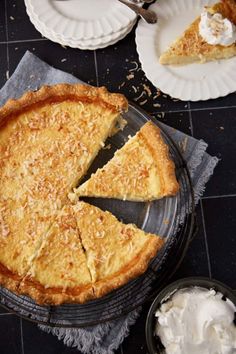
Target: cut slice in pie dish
59,272
116,253
140,171
190,47
86,254
45,149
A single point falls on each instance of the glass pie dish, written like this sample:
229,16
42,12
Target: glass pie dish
172,218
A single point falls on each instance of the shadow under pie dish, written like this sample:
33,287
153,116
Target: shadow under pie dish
46,149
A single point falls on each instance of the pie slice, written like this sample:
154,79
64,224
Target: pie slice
45,149
115,252
21,231
59,272
86,254
190,47
140,171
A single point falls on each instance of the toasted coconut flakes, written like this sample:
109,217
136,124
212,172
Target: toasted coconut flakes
121,85
107,147
130,76
130,247
142,102
100,234
156,105
63,60
161,115
140,96
73,197
158,93
135,89
135,67
147,89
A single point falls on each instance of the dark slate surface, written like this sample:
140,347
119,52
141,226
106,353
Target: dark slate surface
212,252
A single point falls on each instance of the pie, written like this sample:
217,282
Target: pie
190,47
45,149
51,249
140,171
86,254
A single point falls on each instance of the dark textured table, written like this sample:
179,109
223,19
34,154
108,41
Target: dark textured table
213,251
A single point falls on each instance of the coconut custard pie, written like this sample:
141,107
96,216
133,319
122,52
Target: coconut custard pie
211,36
140,171
49,138
51,249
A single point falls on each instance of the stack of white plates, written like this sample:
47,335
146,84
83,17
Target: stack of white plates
89,24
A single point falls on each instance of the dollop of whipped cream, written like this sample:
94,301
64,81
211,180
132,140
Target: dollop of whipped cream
215,29
197,321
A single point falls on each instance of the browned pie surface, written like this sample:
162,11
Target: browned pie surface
48,139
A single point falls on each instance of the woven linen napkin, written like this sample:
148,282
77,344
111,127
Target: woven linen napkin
30,74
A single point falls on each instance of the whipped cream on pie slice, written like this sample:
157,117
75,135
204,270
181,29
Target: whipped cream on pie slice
217,30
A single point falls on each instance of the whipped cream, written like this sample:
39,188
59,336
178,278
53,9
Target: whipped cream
197,321
215,29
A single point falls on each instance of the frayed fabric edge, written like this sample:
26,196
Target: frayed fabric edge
200,187
90,341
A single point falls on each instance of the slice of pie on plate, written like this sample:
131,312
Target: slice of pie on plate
140,171
86,254
48,140
191,47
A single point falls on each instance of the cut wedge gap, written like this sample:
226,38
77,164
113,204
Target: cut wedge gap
141,170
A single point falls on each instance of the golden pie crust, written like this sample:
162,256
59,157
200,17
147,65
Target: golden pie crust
141,170
191,47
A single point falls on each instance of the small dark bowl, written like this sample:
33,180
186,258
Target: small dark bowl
153,342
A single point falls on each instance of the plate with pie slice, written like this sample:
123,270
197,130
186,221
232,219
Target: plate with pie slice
83,262
175,57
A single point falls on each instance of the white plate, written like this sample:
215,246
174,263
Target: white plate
193,82
81,20
90,44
